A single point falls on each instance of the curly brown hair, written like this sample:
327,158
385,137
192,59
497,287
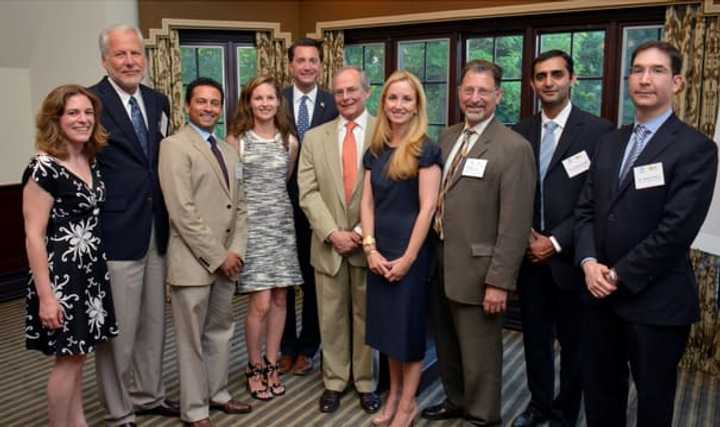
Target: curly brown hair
244,120
50,137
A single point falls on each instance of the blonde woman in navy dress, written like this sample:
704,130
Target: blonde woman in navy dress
267,152
69,303
401,183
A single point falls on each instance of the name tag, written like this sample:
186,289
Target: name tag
576,164
239,171
474,168
649,176
163,125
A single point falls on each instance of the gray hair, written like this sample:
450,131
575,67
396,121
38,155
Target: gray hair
117,28
364,82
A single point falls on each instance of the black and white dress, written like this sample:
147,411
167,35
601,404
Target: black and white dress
271,257
76,260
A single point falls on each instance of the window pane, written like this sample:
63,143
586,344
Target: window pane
433,132
437,60
210,63
628,108
480,49
188,64
587,94
220,130
509,109
246,64
353,55
509,56
555,41
375,63
374,100
588,52
412,58
436,95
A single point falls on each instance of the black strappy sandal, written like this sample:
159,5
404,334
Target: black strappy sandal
276,388
257,372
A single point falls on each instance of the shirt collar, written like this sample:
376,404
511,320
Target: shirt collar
654,124
202,132
124,96
298,94
561,119
360,121
480,127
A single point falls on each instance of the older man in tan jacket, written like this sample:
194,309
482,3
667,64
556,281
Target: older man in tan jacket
330,181
207,244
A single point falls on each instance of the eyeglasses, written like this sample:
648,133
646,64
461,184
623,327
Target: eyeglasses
654,71
483,93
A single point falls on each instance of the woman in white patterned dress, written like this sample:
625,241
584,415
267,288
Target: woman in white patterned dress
69,303
267,151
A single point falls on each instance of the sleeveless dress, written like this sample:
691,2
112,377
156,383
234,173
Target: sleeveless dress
397,312
76,260
271,257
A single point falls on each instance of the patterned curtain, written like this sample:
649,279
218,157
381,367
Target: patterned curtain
272,57
166,75
698,38
333,44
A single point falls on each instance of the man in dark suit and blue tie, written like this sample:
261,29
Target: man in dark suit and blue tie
309,106
645,198
563,138
135,231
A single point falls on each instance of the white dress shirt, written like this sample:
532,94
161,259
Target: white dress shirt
478,129
125,98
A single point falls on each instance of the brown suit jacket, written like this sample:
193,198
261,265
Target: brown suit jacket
322,196
487,220
206,217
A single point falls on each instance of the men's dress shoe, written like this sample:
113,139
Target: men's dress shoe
286,364
531,417
166,408
205,422
370,402
443,411
232,406
302,366
329,401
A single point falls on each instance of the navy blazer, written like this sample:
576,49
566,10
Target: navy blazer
324,111
646,234
134,201
581,133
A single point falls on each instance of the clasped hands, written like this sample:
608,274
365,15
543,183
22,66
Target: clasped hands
392,271
345,242
540,248
597,279
232,265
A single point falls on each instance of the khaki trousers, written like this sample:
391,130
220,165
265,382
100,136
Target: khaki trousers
129,367
204,327
341,301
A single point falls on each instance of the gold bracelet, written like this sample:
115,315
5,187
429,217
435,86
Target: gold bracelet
368,240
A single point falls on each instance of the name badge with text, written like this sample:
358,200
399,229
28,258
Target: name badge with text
475,168
649,176
576,164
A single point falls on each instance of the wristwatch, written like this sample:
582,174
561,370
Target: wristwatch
612,276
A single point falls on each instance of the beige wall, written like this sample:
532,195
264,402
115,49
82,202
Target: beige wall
45,43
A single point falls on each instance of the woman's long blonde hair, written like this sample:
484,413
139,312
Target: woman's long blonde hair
403,163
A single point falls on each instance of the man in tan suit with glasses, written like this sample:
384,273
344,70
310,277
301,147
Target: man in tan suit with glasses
482,224
330,181
208,237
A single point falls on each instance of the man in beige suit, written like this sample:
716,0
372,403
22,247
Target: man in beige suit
482,223
207,244
330,182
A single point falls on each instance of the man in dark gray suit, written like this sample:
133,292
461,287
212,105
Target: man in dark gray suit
563,138
309,106
482,223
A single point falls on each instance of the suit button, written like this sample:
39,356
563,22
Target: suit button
227,230
229,206
611,217
149,199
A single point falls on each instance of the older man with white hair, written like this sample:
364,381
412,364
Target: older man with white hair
135,231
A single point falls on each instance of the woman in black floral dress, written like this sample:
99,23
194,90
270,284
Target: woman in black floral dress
69,305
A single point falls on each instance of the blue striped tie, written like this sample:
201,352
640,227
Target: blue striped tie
139,124
303,122
639,141
547,148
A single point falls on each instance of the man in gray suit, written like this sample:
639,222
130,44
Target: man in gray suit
330,180
482,223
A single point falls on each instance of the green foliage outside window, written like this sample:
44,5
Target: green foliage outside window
204,61
371,59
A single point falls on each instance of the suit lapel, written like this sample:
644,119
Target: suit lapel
204,148
332,156
151,109
479,148
117,113
623,139
319,109
573,126
535,132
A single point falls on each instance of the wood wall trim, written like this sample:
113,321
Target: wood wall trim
488,12
206,24
711,7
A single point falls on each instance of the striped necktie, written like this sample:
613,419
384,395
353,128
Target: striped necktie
460,155
547,149
638,142
303,121
139,124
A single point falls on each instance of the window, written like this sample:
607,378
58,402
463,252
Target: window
632,38
229,57
507,52
370,58
428,60
586,48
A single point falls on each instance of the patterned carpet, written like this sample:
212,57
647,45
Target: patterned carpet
23,377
